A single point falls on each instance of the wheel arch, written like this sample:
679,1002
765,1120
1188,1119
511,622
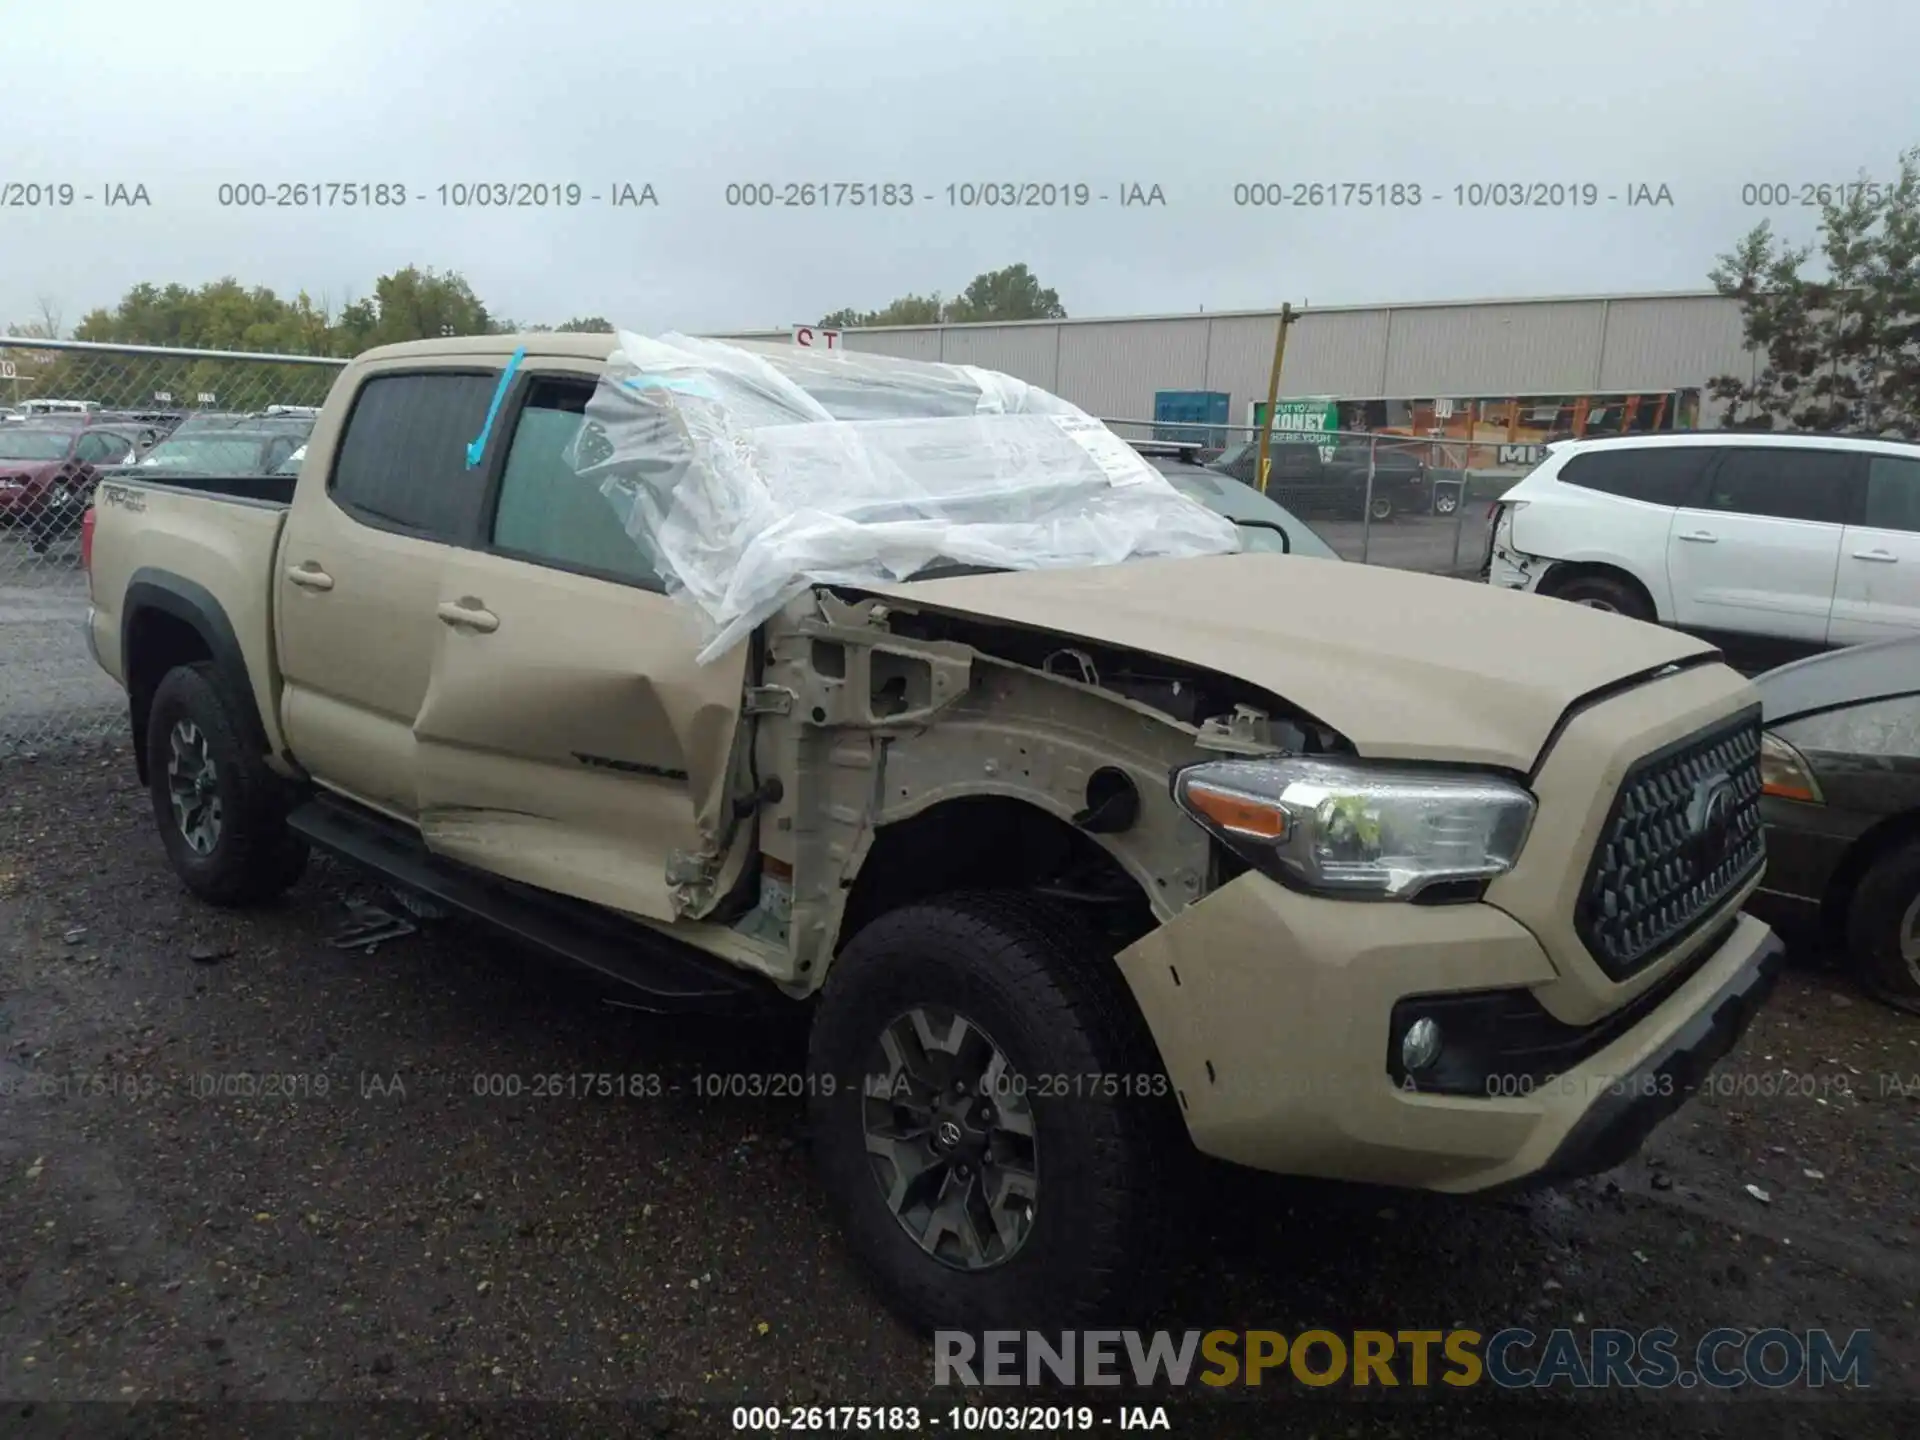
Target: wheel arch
1561,573
1861,856
990,840
168,621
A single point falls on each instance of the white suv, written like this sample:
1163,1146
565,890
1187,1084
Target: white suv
1765,543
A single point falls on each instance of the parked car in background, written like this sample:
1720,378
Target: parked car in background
220,452
161,422
1772,546
1265,526
47,474
59,407
195,420
1840,770
1299,476
144,432
274,417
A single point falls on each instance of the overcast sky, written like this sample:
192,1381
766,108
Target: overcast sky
1194,97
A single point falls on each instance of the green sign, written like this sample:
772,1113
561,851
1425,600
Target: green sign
1298,420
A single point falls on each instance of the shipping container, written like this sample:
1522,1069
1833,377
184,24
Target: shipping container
1192,417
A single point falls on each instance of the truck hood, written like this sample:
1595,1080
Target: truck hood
1406,666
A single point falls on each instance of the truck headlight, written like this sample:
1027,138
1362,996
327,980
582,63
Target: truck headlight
1356,830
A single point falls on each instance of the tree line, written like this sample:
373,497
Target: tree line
1010,293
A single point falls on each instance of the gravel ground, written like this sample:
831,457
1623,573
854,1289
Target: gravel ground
383,1229
51,687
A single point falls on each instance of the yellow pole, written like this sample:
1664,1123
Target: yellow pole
1287,317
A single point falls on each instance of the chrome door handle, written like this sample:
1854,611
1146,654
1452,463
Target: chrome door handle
1701,537
463,615
310,577
1885,557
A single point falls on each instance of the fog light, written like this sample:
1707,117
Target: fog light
1420,1046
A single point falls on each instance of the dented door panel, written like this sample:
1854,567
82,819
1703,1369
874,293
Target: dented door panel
570,741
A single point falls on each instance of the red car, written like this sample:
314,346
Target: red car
47,473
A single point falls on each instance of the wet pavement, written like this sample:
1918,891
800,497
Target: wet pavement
238,1164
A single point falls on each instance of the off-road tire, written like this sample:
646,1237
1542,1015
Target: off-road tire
1108,1164
256,856
1881,904
1604,592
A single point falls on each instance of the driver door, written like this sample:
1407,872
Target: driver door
568,739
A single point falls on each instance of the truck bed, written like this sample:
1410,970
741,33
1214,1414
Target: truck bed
193,548
273,489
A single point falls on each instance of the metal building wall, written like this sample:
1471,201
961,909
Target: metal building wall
1113,367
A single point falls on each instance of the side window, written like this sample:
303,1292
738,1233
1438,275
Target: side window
277,452
546,512
99,448
1657,475
1785,482
1893,494
403,459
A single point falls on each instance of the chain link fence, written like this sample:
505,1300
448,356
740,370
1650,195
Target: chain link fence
71,411
1377,498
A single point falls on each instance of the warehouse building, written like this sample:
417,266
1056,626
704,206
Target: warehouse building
1502,376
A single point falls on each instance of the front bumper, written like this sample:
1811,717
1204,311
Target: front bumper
1271,1010
1619,1121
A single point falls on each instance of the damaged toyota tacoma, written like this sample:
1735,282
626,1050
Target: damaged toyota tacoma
748,677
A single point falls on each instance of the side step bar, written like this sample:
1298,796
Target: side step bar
655,973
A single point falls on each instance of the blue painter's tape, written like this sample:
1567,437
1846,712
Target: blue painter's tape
478,446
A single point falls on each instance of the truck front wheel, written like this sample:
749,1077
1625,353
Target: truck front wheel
990,1120
221,811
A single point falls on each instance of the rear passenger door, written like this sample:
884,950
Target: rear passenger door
355,599
1877,595
568,739
1758,550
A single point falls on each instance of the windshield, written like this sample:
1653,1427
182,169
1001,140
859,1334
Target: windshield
34,444
1253,513
214,454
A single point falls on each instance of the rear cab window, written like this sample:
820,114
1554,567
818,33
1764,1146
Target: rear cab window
402,461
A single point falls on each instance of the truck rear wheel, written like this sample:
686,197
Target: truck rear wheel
990,1120
221,811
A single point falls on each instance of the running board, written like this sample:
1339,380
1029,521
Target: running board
656,973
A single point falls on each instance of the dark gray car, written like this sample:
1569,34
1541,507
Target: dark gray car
1840,766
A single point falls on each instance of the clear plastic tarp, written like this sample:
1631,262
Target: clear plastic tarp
748,472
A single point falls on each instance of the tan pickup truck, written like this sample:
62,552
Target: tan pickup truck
1079,869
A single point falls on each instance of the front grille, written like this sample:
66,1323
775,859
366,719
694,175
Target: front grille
1683,834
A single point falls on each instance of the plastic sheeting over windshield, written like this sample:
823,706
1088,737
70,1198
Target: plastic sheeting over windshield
748,472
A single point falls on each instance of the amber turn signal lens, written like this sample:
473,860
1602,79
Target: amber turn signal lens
1260,818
